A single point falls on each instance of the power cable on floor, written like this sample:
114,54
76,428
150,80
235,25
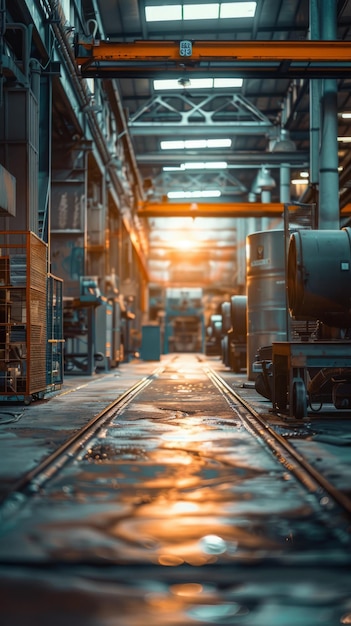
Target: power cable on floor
16,417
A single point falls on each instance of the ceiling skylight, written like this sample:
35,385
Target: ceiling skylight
208,11
189,144
197,83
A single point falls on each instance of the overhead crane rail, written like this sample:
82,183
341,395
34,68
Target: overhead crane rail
286,59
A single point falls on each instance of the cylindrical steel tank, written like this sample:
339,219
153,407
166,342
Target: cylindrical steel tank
266,292
319,276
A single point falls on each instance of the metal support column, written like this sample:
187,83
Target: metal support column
328,168
315,92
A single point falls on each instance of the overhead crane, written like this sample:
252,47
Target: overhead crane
279,59
283,59
228,209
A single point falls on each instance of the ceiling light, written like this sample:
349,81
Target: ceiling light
227,82
210,165
209,193
219,143
196,83
299,181
172,145
344,139
190,144
346,116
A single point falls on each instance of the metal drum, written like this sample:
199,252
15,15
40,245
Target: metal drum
266,293
319,276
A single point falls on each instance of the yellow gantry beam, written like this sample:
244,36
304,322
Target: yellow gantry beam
204,209
309,59
149,50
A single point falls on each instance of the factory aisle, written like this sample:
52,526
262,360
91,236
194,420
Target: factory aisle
173,514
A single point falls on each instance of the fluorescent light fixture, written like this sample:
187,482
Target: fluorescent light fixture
207,11
344,139
190,144
172,145
210,193
299,181
346,116
197,83
304,174
209,165
218,143
168,13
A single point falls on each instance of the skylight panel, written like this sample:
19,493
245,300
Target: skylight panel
167,13
237,9
200,11
207,11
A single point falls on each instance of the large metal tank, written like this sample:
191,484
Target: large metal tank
266,292
319,276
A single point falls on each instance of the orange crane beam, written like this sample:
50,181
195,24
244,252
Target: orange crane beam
287,57
204,209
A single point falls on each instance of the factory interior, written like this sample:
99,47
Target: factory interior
175,246
142,144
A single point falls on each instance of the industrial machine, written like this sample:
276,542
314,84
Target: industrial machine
238,333
184,320
316,370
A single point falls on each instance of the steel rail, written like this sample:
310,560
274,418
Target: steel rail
30,482
328,496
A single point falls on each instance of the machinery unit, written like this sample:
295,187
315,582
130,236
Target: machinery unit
237,333
184,321
226,325
318,371
214,335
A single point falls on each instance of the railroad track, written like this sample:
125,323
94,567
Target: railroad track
331,501
177,504
332,506
32,481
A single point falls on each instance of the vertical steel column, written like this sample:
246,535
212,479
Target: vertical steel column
328,166
315,93
285,183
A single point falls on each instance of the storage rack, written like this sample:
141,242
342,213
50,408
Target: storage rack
23,315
